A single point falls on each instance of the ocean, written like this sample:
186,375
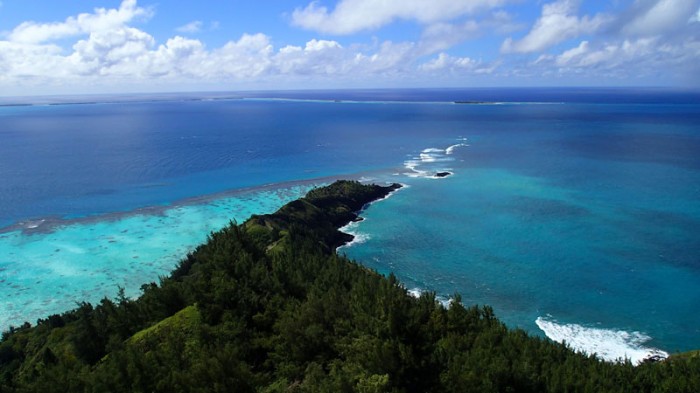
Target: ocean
574,213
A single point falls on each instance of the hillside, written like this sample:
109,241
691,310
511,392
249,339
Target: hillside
268,306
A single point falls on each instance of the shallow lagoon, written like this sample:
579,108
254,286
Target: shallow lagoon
50,266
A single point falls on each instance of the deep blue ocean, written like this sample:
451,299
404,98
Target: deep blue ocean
575,213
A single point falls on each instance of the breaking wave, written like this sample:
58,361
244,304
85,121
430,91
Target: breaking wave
433,162
607,344
417,292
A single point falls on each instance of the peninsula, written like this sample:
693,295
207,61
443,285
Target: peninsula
269,306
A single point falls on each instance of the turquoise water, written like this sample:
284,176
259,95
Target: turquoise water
575,217
596,248
51,267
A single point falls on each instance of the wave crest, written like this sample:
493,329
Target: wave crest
431,161
417,292
607,344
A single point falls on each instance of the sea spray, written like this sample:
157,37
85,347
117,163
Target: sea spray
352,228
432,162
417,292
607,344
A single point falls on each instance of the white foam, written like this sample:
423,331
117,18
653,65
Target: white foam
607,344
429,161
359,238
446,302
352,229
417,292
425,157
33,224
412,166
452,148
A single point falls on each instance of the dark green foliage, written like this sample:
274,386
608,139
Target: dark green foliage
267,306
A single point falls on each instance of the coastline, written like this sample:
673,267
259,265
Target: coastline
53,264
272,296
540,211
347,228
48,224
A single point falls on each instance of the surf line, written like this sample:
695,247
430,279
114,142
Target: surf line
431,162
607,344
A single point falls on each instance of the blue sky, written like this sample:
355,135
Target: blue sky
103,46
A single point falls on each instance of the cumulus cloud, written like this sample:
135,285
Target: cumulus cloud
556,24
101,20
21,61
192,27
650,38
116,52
317,57
107,50
446,65
653,17
645,58
441,36
351,16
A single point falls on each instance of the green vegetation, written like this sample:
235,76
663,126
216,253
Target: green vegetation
267,306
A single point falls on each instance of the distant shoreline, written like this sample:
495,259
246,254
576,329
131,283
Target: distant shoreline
473,96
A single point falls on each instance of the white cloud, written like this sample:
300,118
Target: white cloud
113,56
609,56
192,27
111,52
629,59
351,16
101,20
21,61
556,24
441,36
108,53
444,61
652,40
317,57
653,17
319,45
248,57
502,22
571,54
446,64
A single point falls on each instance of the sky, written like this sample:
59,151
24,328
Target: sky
113,46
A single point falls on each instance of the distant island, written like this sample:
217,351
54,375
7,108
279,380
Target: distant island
269,306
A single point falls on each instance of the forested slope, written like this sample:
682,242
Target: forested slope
268,306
